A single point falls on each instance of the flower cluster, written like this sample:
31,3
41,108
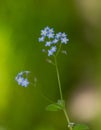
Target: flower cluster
53,39
21,80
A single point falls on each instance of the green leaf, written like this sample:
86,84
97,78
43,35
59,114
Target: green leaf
80,127
53,107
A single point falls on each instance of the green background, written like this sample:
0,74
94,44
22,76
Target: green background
20,25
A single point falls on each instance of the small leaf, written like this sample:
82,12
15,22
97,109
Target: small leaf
53,107
80,127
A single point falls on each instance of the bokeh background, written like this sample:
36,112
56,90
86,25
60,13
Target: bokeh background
80,71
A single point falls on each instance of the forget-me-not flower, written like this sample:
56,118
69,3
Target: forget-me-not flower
48,43
64,40
21,80
25,83
58,35
50,35
63,35
55,41
52,50
41,39
50,38
44,33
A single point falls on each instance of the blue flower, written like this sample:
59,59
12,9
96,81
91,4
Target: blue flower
63,35
47,28
50,33
48,43
51,30
44,33
48,36
25,83
64,40
21,80
50,53
41,39
52,50
55,41
58,35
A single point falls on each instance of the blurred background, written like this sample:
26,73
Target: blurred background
80,71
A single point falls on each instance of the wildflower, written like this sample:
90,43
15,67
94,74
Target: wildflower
21,80
64,40
44,33
41,39
25,83
55,41
50,35
58,35
48,43
47,28
63,35
51,30
53,38
51,51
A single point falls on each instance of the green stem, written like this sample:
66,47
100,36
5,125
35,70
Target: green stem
67,117
58,50
58,77
61,96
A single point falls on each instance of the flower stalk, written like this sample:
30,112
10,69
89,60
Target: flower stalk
60,91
